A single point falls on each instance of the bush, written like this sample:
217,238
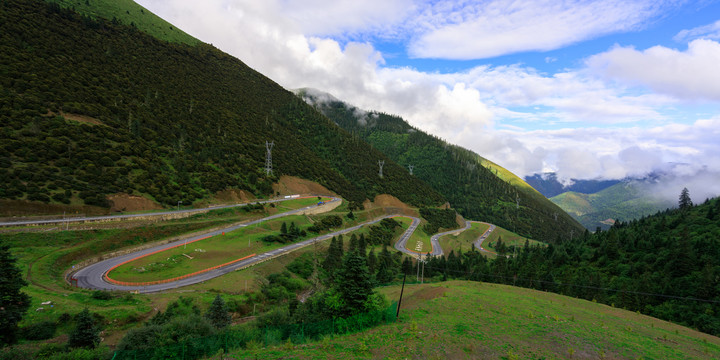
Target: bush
303,265
48,350
101,295
38,331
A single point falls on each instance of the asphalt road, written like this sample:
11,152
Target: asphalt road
434,240
479,241
129,216
400,245
93,276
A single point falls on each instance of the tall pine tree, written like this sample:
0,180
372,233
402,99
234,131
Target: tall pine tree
684,202
218,313
354,283
13,303
85,334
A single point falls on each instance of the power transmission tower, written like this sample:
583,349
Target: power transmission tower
381,163
411,167
268,157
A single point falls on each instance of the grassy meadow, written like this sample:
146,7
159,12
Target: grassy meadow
469,320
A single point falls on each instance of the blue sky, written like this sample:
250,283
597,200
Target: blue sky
658,30
587,89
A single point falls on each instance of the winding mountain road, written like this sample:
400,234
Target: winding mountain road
479,241
129,216
94,276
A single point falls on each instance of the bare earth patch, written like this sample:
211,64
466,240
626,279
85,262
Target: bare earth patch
77,117
385,201
234,195
390,204
291,185
127,202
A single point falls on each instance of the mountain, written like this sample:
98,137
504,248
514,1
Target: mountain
477,188
91,107
548,185
624,201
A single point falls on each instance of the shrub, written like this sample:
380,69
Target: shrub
101,295
38,331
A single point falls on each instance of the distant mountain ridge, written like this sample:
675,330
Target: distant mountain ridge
625,201
548,185
477,188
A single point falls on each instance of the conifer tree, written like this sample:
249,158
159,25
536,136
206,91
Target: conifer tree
85,334
386,268
353,243
685,202
218,313
372,262
13,302
334,259
354,283
362,245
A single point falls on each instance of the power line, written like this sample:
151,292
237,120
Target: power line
268,157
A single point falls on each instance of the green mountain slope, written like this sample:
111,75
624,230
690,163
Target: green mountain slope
477,188
129,13
90,108
471,320
623,201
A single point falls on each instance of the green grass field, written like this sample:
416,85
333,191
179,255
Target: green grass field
464,240
509,238
468,320
419,241
205,253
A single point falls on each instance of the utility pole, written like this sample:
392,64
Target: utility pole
411,167
268,157
397,315
381,163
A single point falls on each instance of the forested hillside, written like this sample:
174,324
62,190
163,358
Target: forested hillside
475,191
666,265
91,107
623,201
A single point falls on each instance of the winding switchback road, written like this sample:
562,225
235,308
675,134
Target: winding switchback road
95,276
434,240
479,241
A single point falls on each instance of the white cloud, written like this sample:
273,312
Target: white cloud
692,74
614,153
476,30
711,31
482,108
